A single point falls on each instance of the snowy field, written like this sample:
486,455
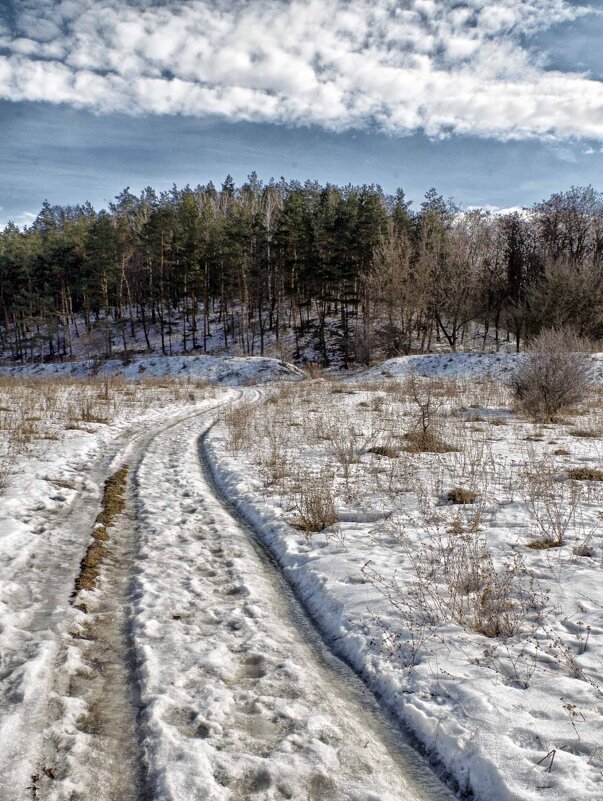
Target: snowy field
461,583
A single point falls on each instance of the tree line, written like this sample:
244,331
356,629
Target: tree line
354,269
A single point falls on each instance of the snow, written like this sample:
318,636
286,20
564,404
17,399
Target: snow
235,702
230,370
237,696
456,365
489,710
46,515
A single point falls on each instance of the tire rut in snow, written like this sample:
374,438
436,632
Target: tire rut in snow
95,752
238,705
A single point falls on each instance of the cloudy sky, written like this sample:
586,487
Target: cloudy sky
495,102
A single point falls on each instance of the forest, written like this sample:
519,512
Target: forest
360,273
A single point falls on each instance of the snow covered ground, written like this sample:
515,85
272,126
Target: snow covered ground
191,672
230,370
47,511
456,365
485,641
190,651
58,442
293,344
237,702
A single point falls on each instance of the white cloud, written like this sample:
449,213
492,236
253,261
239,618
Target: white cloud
397,65
20,220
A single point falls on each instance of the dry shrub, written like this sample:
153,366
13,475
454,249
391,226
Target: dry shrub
461,495
453,579
348,446
555,376
6,464
551,503
275,460
313,370
585,474
238,421
314,503
424,437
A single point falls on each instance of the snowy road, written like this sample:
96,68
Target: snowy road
241,699
194,659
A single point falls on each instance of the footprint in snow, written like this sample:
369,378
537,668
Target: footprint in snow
254,667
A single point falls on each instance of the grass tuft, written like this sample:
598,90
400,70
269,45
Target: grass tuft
585,474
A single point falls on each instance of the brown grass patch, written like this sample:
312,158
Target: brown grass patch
90,566
114,501
587,433
389,451
585,474
426,442
461,495
543,545
113,505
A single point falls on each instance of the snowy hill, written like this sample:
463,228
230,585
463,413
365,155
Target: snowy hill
230,370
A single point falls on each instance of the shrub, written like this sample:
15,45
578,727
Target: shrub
585,474
555,375
313,370
388,451
424,436
551,503
314,503
461,495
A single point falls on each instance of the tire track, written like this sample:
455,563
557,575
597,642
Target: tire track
93,746
194,672
242,699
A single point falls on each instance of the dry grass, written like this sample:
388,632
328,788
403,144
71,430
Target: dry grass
238,420
426,442
314,503
461,495
585,433
113,504
36,412
585,474
387,451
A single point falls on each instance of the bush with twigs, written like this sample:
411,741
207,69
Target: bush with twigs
315,503
555,376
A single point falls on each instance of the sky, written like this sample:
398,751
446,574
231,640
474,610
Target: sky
496,103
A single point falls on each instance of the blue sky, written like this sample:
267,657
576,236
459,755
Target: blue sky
494,103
